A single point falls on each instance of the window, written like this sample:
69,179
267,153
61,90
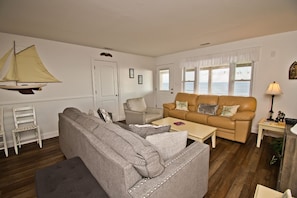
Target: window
164,80
219,81
243,80
233,79
203,81
189,80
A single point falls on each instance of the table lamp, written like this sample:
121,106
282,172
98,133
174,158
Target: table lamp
273,89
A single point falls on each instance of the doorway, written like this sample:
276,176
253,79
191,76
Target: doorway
106,87
165,84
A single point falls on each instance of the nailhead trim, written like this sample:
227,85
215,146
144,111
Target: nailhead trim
167,178
177,157
138,185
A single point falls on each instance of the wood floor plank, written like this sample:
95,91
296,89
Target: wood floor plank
18,171
235,168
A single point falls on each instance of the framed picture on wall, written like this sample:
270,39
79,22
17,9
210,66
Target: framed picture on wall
293,71
131,73
140,79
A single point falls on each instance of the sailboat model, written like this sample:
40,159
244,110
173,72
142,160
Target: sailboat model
23,71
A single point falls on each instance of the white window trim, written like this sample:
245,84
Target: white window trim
225,58
248,55
195,79
231,82
163,69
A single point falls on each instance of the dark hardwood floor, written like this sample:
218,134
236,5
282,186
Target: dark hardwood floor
235,169
18,171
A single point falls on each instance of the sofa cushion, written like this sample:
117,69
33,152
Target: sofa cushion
207,109
93,115
190,98
181,105
93,112
169,143
72,112
197,117
136,150
86,122
136,104
229,111
83,119
246,103
148,129
221,122
207,99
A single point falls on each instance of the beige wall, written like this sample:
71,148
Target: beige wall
71,64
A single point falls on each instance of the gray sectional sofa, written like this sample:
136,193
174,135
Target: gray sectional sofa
127,165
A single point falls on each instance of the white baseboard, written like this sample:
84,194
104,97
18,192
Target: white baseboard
49,135
44,136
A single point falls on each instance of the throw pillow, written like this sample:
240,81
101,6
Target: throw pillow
148,129
181,105
207,109
86,122
169,144
104,115
93,113
229,111
135,149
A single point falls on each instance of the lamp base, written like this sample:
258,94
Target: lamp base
270,114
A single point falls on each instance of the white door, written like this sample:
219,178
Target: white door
165,84
106,87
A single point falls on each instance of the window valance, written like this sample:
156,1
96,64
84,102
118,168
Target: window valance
235,56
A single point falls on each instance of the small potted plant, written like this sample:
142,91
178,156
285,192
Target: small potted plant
277,145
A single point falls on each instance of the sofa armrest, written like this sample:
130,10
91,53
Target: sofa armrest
188,170
134,117
169,106
154,110
244,115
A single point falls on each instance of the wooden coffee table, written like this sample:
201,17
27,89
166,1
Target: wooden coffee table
197,132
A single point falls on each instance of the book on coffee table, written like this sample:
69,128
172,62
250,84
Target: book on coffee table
178,123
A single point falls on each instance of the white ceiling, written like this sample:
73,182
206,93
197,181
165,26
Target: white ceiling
151,27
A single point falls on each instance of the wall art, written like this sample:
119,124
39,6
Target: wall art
140,79
293,71
131,73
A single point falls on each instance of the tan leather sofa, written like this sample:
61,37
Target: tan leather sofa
236,127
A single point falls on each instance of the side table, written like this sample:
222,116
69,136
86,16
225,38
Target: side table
278,127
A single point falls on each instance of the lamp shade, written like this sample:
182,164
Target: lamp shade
274,89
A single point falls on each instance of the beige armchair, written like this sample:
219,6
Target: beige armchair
137,112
